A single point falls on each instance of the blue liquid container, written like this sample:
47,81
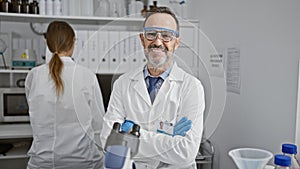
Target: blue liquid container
291,151
282,161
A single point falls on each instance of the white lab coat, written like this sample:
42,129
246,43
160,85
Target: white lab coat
65,129
180,95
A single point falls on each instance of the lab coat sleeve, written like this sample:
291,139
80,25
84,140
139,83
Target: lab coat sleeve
177,149
28,84
97,110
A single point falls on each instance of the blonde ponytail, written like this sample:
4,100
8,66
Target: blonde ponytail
55,69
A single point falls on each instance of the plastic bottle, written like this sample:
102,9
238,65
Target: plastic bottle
57,7
291,151
42,7
49,7
131,8
101,8
65,7
86,7
282,161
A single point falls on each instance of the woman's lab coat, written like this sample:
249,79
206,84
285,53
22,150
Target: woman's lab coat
180,95
65,129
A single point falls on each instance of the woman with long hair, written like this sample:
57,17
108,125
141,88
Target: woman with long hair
65,107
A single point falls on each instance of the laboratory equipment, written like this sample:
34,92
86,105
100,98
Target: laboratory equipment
250,158
121,146
205,155
291,151
282,161
3,48
13,105
23,59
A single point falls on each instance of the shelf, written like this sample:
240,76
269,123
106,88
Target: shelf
85,20
90,20
11,131
13,71
16,152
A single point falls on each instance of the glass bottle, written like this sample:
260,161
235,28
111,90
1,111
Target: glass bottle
135,130
5,6
116,127
282,161
291,151
34,7
0,5
153,7
25,6
144,11
16,6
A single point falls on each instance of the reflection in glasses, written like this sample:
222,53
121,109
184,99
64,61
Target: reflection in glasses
166,35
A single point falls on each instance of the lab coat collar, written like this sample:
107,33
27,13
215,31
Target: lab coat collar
66,59
176,74
137,78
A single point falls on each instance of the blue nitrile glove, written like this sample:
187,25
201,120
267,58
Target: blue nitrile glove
127,126
182,127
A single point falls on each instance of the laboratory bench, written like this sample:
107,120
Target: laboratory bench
20,136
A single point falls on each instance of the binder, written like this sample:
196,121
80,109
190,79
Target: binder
124,51
114,45
103,56
93,50
134,50
82,55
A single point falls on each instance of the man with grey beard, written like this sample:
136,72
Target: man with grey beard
164,100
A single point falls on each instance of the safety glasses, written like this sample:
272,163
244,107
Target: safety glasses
166,35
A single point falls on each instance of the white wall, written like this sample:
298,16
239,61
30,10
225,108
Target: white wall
268,34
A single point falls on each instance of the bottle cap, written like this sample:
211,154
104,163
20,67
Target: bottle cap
282,160
289,148
136,130
117,126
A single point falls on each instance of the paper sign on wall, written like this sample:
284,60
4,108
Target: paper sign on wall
233,74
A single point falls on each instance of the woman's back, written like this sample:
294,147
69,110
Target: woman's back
66,125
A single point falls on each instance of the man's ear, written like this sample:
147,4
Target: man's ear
142,39
177,42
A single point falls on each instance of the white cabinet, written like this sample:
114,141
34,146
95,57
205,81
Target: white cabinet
20,137
12,78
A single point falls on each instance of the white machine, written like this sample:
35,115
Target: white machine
23,59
